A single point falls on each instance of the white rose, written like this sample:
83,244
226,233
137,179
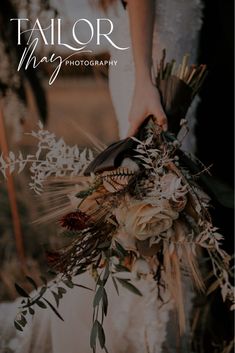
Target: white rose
143,219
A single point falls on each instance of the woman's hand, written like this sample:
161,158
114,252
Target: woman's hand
146,101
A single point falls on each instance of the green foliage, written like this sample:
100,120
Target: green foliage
100,309
104,269
128,285
38,298
21,291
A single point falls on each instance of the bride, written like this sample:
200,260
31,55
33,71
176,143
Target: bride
134,324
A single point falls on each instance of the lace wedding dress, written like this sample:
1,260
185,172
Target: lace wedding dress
177,28
134,324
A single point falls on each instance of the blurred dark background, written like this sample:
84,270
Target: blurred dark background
215,130
215,136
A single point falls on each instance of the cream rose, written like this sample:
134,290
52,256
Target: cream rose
145,219
174,190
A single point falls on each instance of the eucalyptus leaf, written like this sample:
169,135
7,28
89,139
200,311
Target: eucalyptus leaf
32,282
62,290
105,302
98,296
17,326
121,249
126,284
80,271
106,273
68,283
101,335
53,309
41,304
21,291
94,333
31,311
42,291
22,321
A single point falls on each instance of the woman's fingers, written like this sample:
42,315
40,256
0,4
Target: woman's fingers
161,119
146,102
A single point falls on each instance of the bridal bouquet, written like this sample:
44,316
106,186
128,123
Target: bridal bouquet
142,198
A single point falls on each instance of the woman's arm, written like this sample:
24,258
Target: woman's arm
146,99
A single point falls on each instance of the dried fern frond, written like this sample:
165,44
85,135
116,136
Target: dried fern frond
117,179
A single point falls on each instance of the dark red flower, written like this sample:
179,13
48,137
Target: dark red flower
52,257
75,221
